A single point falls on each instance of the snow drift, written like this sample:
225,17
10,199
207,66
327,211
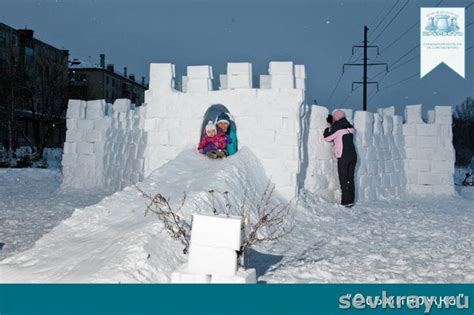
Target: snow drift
112,241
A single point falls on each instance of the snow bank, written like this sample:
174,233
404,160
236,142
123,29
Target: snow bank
112,241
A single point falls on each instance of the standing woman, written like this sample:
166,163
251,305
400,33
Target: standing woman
341,132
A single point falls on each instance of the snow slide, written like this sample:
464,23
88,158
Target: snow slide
112,241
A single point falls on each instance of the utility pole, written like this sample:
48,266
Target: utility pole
365,64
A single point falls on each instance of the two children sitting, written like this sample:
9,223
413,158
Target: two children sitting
215,141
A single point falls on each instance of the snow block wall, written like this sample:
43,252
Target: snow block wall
393,157
111,146
267,119
104,144
430,155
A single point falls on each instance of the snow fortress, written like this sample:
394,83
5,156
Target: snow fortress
110,146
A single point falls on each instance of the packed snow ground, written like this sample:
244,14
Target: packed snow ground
409,239
31,204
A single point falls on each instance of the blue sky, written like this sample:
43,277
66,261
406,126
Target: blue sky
316,33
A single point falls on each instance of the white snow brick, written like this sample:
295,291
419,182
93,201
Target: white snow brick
409,129
85,148
397,125
387,125
427,129
264,81
182,275
430,179
93,136
103,124
73,135
122,105
69,147
242,276
431,116
71,123
150,124
217,231
419,166
223,82
161,77
318,117
413,114
184,83
76,109
282,82
281,68
199,72
300,83
442,167
387,111
363,121
85,124
239,68
154,137
198,85
443,115
213,261
420,189
300,71
95,109
378,124
240,81
427,142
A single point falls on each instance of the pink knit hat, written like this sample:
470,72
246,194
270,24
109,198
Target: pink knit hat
338,114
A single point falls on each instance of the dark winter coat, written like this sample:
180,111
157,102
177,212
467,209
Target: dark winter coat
342,133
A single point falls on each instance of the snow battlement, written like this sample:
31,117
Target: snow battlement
104,144
111,146
393,157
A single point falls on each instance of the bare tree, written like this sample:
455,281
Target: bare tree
463,133
45,97
34,92
263,220
173,222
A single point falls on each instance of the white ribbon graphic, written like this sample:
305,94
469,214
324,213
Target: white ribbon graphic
442,32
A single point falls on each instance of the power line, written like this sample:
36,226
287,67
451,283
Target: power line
470,47
337,84
391,21
399,37
351,57
400,82
386,15
406,31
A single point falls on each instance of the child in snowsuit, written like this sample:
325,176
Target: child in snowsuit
213,144
341,133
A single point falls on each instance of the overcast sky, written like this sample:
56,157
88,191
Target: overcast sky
316,33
